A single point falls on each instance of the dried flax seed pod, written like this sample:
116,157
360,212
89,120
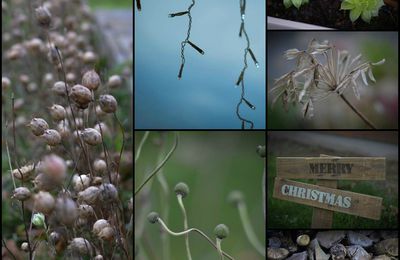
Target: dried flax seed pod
43,17
91,136
21,193
91,80
80,246
106,233
108,192
100,166
100,225
38,126
90,195
85,211
44,202
108,103
80,182
114,81
52,137
25,170
59,88
57,112
81,96
66,211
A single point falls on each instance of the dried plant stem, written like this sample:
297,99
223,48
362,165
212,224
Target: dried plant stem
9,162
192,230
185,225
248,229
364,118
263,189
158,167
11,253
123,143
218,242
139,150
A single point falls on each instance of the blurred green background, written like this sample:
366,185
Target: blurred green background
111,4
212,164
285,214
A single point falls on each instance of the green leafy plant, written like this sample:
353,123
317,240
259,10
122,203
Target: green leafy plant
364,8
296,3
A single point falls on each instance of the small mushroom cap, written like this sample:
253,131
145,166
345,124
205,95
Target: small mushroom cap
235,197
221,231
182,189
153,217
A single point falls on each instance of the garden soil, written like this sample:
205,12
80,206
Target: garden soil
327,13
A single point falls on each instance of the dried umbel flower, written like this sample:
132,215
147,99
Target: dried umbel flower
59,88
38,126
312,81
66,211
5,83
108,103
25,170
108,192
91,136
81,96
43,17
81,246
21,193
114,81
25,247
89,195
99,225
100,166
57,112
80,182
91,80
52,137
44,202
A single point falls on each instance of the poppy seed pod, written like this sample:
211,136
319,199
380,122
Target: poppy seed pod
21,193
235,197
108,192
221,231
91,136
80,95
91,80
89,195
80,182
38,126
57,112
106,233
44,202
153,217
99,225
26,172
52,137
181,189
59,88
114,81
66,211
108,103
25,247
100,166
81,246
261,150
43,17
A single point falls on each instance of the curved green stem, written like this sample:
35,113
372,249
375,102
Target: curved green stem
251,236
185,225
192,230
151,175
139,150
219,248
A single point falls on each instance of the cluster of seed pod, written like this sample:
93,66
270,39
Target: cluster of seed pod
70,104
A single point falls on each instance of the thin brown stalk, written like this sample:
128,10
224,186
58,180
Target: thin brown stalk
11,253
363,117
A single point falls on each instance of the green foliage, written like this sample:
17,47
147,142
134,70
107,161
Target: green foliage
364,8
296,3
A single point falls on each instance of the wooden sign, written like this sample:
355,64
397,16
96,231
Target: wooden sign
327,198
331,168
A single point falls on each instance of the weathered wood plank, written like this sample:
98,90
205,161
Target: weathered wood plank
332,168
326,198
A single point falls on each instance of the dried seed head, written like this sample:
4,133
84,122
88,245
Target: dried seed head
57,112
43,17
59,88
21,193
261,150
52,137
97,181
99,225
34,45
63,129
24,79
26,171
100,166
235,197
48,79
81,246
5,83
85,211
66,210
71,77
54,237
98,257
114,81
91,136
89,57
89,195
81,222
106,233
32,87
44,182
108,103
25,247
81,96
181,189
108,192
91,80
100,112
153,217
80,182
38,126
221,231
44,202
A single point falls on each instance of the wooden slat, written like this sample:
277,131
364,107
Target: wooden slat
332,168
361,205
